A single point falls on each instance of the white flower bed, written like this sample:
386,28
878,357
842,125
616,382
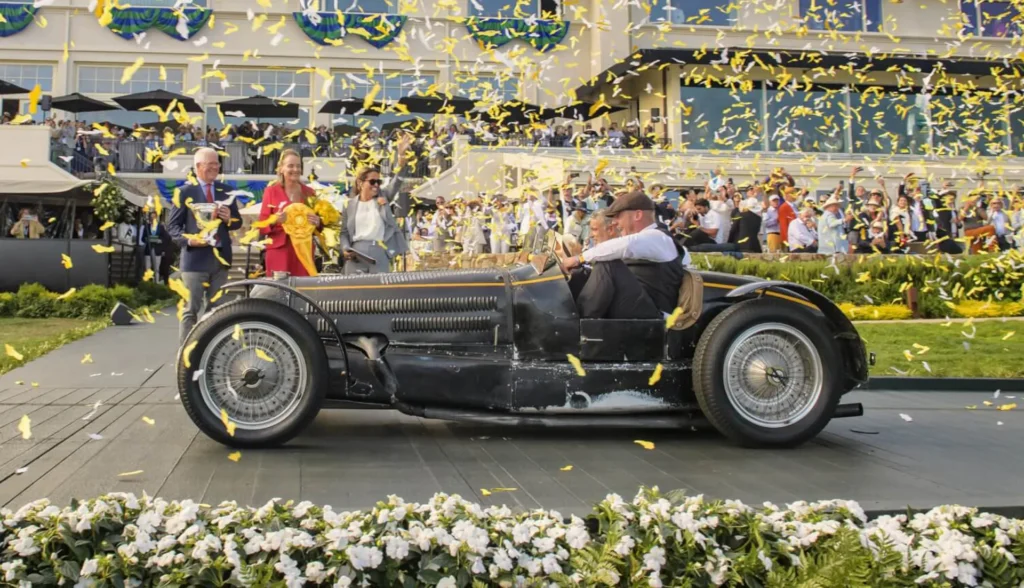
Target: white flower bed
655,540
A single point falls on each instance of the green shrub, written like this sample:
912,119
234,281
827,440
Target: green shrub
7,304
34,301
879,280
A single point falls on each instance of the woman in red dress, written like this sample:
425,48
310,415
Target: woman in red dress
280,256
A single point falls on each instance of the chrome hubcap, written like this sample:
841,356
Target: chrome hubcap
773,375
255,373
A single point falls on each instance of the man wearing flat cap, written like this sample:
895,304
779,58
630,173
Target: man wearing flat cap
649,252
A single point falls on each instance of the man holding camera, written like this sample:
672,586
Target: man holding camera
28,226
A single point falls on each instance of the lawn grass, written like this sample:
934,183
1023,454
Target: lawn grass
33,338
988,354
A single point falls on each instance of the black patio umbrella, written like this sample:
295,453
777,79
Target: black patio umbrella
414,125
9,88
260,107
161,98
350,106
437,104
514,113
581,111
80,103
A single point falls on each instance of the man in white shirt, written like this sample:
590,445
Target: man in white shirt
651,254
801,238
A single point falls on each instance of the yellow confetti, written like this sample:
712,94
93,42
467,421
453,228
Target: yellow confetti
67,294
230,426
645,444
575,361
235,456
87,358
567,468
33,99
971,407
103,248
131,473
655,376
485,492
148,276
65,260
1008,335
237,334
263,355
106,226
25,427
187,354
987,403
129,72
1010,406
12,352
24,162
148,420
908,355
921,349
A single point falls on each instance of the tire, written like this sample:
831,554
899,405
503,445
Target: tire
268,402
783,411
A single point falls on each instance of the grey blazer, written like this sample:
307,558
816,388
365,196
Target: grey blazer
393,237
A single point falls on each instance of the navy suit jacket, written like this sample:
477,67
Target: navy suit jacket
183,221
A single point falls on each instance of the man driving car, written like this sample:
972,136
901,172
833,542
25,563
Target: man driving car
651,255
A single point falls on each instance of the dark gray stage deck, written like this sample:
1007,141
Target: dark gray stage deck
351,459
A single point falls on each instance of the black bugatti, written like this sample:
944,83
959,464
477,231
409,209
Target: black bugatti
766,363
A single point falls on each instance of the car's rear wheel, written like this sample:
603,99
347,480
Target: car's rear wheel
257,374
766,374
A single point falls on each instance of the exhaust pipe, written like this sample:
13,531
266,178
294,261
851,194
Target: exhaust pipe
848,410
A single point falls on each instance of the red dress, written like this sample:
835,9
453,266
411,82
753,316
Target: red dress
280,255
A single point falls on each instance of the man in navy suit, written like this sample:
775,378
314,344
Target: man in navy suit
201,271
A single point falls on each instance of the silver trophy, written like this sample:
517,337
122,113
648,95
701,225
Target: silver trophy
206,218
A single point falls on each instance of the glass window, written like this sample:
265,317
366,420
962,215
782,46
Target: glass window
504,8
364,6
842,15
28,75
268,82
807,120
998,18
124,118
888,121
968,124
358,85
722,118
695,12
488,86
102,79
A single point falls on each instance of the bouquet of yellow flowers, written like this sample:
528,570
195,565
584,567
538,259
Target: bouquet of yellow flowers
329,237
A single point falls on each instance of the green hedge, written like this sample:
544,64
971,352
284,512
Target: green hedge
35,301
876,280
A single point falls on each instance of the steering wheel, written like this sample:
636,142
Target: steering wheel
558,252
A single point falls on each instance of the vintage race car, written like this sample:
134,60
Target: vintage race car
766,363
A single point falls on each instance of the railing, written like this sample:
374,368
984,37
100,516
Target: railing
128,155
571,142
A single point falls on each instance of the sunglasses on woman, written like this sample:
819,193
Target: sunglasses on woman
375,182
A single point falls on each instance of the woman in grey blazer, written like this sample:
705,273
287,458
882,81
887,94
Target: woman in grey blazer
368,221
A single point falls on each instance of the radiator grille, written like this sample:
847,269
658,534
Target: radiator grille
407,277
435,324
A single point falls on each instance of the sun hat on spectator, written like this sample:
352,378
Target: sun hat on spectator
832,200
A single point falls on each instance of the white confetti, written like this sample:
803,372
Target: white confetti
95,408
996,394
999,423
95,437
906,417
117,373
94,375
927,367
20,471
196,375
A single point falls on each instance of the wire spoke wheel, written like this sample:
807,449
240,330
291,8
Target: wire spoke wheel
773,375
255,372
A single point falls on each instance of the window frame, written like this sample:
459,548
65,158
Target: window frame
343,5
244,84
662,4
975,27
115,71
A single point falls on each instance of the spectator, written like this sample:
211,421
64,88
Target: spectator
281,255
787,212
749,222
802,237
772,229
899,220
876,239
576,222
28,226
710,222
151,239
473,238
1001,225
832,227
503,225
974,222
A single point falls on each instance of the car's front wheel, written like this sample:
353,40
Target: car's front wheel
766,373
252,374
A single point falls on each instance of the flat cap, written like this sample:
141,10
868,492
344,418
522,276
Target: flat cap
635,200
